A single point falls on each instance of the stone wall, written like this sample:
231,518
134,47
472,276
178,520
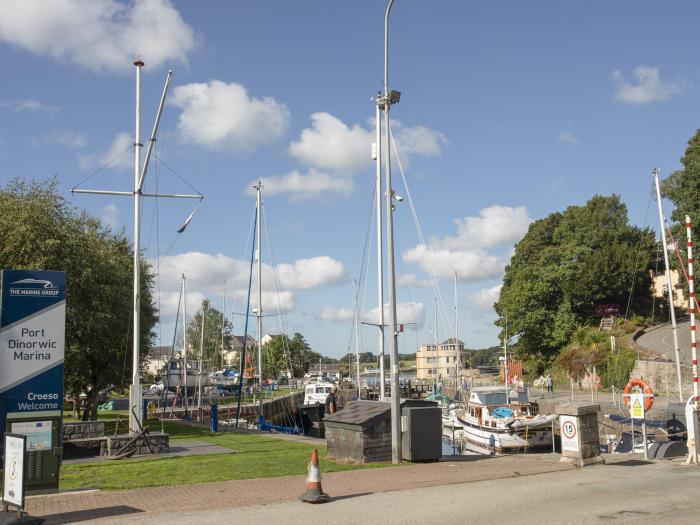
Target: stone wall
82,430
159,441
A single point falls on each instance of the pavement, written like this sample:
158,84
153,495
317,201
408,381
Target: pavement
628,492
148,504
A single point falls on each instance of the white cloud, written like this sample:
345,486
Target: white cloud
302,186
225,117
330,144
28,104
329,313
475,265
646,86
411,314
117,154
109,215
100,36
205,274
494,226
568,137
64,137
468,253
410,279
483,300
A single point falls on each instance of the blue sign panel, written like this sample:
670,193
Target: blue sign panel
32,343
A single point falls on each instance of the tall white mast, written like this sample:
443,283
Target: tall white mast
458,358
357,339
258,253
223,325
669,284
505,359
200,367
184,339
380,247
135,394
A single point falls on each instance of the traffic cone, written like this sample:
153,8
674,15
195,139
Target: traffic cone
314,493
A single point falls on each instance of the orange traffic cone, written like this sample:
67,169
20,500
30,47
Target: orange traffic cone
314,493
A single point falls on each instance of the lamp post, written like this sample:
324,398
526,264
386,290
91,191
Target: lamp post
391,97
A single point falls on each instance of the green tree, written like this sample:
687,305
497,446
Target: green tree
214,324
40,230
682,187
568,263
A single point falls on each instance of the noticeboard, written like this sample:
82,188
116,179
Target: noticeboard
13,479
568,428
637,406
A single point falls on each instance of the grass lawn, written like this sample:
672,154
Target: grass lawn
255,456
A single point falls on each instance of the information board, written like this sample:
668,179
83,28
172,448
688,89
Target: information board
13,479
568,427
32,345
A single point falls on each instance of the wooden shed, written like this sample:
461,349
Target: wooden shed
361,432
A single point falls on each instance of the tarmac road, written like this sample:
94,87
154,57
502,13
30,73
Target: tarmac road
628,492
661,341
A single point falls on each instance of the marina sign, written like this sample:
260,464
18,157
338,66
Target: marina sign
32,344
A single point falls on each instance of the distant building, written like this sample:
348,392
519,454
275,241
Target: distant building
157,356
233,356
439,361
326,369
267,337
660,287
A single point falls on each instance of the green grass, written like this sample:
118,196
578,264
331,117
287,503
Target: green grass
254,456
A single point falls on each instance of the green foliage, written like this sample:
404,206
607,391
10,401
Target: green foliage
281,352
568,263
214,323
617,367
682,187
41,231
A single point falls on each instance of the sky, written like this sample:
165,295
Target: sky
509,111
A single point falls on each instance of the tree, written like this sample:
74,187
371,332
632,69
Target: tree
40,230
568,263
214,322
682,187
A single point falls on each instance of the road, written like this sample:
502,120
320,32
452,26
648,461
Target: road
660,340
631,491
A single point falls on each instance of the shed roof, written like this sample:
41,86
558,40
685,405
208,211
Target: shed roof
360,413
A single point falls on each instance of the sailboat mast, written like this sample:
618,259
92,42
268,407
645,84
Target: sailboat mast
669,284
380,248
135,394
357,340
184,339
258,195
505,360
223,325
458,359
200,367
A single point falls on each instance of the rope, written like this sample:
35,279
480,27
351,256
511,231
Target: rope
421,238
103,166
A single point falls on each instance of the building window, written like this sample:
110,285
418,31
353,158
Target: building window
432,360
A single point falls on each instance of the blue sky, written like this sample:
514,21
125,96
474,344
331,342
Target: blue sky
509,111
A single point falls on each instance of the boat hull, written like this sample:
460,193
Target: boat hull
506,440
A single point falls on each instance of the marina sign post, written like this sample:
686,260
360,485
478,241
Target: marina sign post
32,346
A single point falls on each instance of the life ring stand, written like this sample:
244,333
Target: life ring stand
648,399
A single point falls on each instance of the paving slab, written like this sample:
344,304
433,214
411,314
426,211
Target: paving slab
94,505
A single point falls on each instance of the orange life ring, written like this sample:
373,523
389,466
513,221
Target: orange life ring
648,401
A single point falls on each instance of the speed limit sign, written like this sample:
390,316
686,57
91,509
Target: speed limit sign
568,427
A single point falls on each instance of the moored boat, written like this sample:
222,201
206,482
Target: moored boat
511,425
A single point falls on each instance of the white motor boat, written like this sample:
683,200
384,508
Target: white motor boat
510,424
174,375
317,392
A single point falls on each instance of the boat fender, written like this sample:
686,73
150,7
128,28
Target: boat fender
644,386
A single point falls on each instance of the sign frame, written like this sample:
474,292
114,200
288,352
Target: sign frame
12,457
569,433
